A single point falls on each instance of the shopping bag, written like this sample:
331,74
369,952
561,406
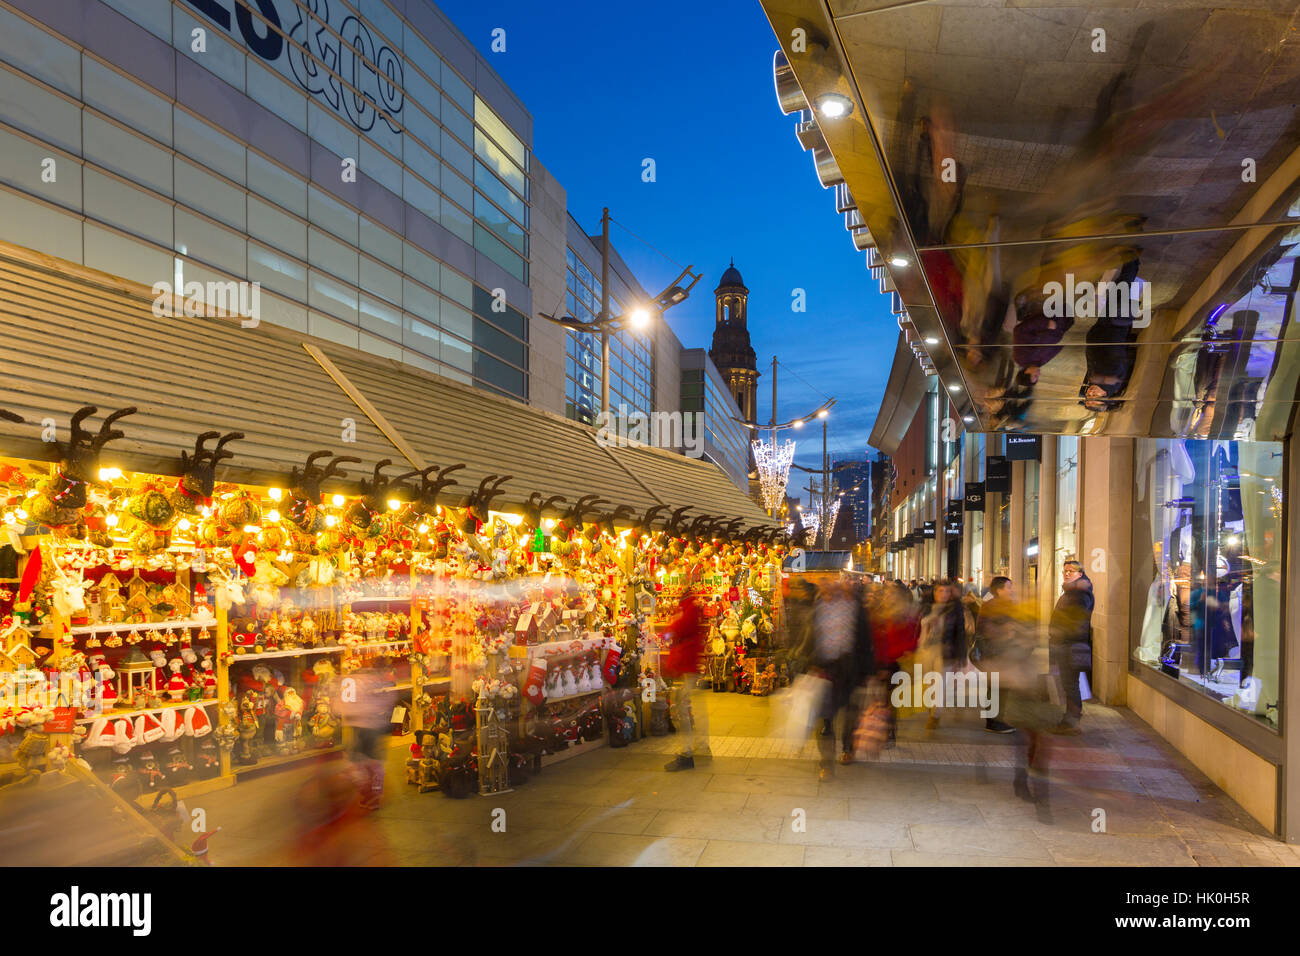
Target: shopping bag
872,730
804,706
1085,689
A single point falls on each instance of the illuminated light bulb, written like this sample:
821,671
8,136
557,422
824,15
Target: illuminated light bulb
423,529
338,501
21,513
548,523
111,521
273,515
251,529
9,517
108,474
31,493
184,524
331,521
393,504
275,493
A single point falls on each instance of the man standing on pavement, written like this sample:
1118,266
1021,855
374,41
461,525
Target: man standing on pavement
1070,641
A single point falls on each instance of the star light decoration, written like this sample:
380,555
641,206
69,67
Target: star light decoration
773,463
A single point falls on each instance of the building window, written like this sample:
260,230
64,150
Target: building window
1208,549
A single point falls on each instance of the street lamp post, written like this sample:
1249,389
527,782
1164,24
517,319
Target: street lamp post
607,324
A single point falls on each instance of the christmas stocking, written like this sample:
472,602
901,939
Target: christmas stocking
535,681
609,670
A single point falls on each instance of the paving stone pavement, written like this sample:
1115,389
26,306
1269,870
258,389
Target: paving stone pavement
943,799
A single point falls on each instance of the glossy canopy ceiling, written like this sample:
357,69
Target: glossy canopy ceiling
997,148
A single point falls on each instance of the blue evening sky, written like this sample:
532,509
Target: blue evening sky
690,86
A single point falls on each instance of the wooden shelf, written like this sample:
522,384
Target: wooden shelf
585,693
113,714
582,748
296,652
266,763
189,622
377,598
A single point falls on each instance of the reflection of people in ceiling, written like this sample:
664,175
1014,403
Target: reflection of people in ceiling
1111,350
1224,348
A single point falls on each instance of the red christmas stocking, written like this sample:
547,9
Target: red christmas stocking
609,670
534,681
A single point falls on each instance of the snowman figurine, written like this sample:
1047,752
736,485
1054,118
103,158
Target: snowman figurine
177,685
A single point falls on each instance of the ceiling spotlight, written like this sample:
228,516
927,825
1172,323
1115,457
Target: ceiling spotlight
954,388
931,340
834,105
968,419
900,262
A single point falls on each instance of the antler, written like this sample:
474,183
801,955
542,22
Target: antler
106,432
674,526
620,513
488,489
333,469
647,519
537,504
430,490
219,453
10,416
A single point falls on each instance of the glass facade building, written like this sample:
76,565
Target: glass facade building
360,178
631,353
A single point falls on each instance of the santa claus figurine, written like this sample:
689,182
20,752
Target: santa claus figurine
288,720
177,685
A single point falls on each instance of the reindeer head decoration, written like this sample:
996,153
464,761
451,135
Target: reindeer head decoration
361,514
480,502
731,529
572,519
645,524
535,506
67,594
230,588
304,489
675,527
700,529
80,463
431,489
199,473
607,521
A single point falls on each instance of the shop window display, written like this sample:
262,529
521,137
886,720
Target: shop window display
1208,541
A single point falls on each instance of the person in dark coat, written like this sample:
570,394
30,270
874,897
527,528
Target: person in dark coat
994,633
1070,641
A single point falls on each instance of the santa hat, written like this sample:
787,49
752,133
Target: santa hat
101,733
200,846
197,723
124,736
173,723
158,657
148,729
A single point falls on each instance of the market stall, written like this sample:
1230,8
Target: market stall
176,631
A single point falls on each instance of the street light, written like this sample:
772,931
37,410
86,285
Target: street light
606,324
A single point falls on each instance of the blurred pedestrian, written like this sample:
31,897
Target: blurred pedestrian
842,653
366,706
994,625
894,631
686,633
942,645
1070,642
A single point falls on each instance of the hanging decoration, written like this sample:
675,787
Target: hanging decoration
773,462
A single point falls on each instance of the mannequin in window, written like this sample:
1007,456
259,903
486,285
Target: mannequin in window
1177,628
